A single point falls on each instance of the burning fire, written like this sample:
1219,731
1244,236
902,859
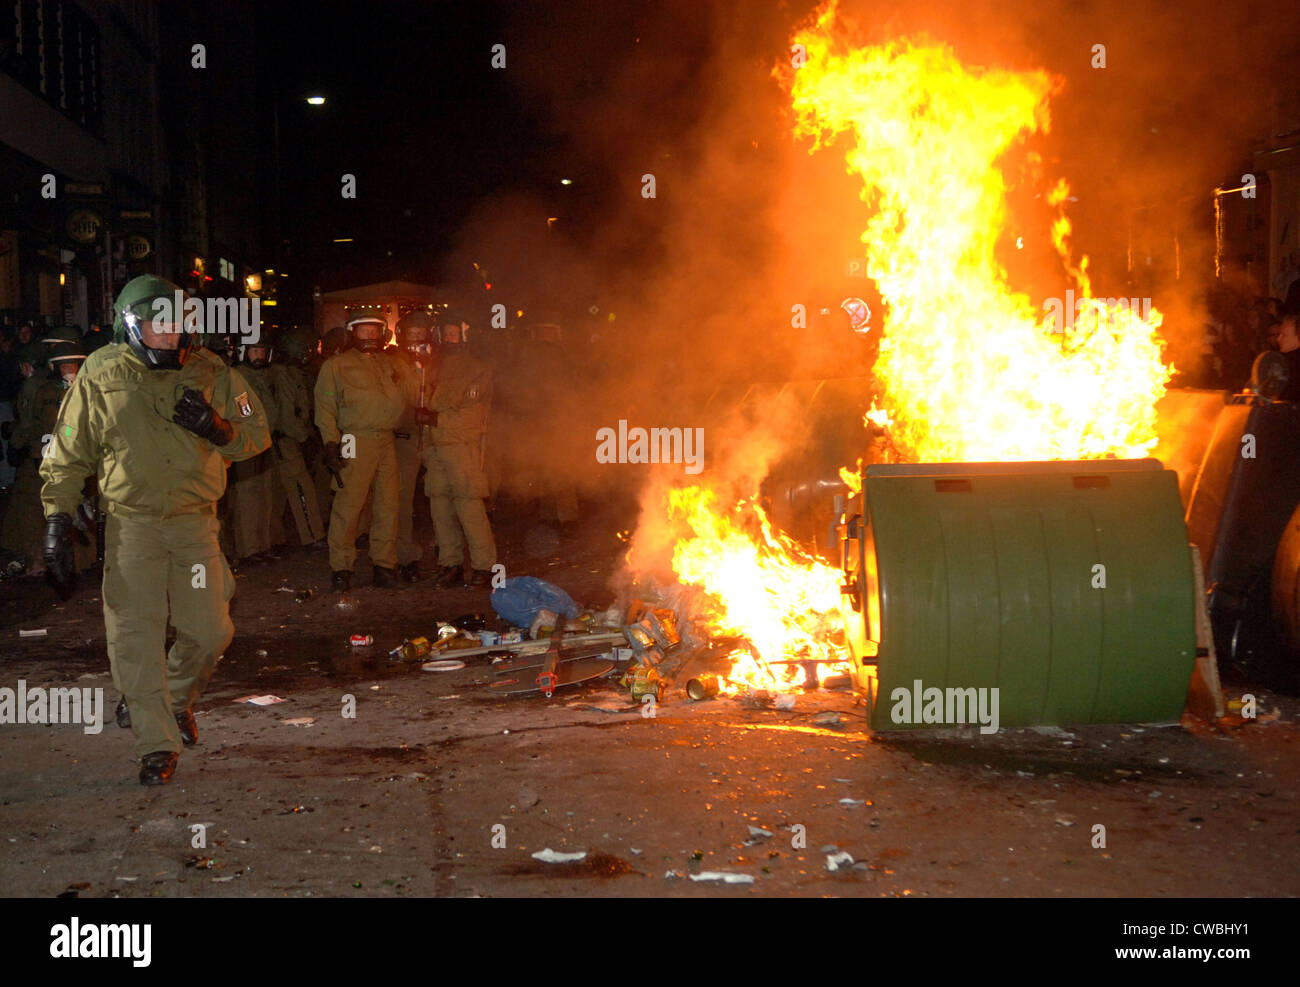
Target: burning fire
765,590
970,370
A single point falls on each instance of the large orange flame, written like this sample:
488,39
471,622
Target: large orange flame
970,369
765,588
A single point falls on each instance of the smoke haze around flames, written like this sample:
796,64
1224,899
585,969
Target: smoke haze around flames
746,223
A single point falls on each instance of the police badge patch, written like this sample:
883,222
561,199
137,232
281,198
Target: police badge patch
244,405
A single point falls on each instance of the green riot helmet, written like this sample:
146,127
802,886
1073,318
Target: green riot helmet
145,318
369,331
453,334
415,333
65,359
297,346
62,334
333,341
260,353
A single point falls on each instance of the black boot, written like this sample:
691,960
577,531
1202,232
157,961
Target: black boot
384,578
341,581
157,768
189,729
409,573
123,714
480,577
450,575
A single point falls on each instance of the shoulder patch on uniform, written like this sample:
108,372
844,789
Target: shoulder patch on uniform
244,405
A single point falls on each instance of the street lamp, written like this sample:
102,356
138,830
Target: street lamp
316,100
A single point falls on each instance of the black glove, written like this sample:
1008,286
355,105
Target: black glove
426,417
57,549
333,458
312,447
195,414
14,456
6,430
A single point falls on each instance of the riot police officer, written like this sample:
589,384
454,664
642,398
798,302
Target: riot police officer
455,413
361,394
415,343
157,419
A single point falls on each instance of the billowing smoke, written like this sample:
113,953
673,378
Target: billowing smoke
703,279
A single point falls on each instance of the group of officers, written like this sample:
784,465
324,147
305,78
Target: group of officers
355,424
155,419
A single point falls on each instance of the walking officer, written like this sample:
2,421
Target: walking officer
156,418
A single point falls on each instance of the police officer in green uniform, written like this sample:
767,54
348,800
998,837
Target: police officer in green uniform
415,343
361,394
294,430
32,434
455,411
253,481
157,419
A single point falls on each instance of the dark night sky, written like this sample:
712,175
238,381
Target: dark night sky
429,128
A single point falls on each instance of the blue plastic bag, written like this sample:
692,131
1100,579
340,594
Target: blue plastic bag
522,597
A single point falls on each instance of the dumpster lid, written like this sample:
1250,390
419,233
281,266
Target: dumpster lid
1013,469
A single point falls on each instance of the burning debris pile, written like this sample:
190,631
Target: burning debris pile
968,368
749,607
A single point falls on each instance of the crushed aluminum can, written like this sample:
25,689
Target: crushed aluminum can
704,687
361,640
512,637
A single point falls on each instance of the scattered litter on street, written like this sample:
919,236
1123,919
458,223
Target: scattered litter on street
837,861
259,700
726,877
300,721
549,856
39,632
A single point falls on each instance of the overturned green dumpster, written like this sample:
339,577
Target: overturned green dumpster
1050,593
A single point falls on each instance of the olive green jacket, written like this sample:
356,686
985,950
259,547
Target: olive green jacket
263,380
361,392
38,407
116,422
461,396
293,402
